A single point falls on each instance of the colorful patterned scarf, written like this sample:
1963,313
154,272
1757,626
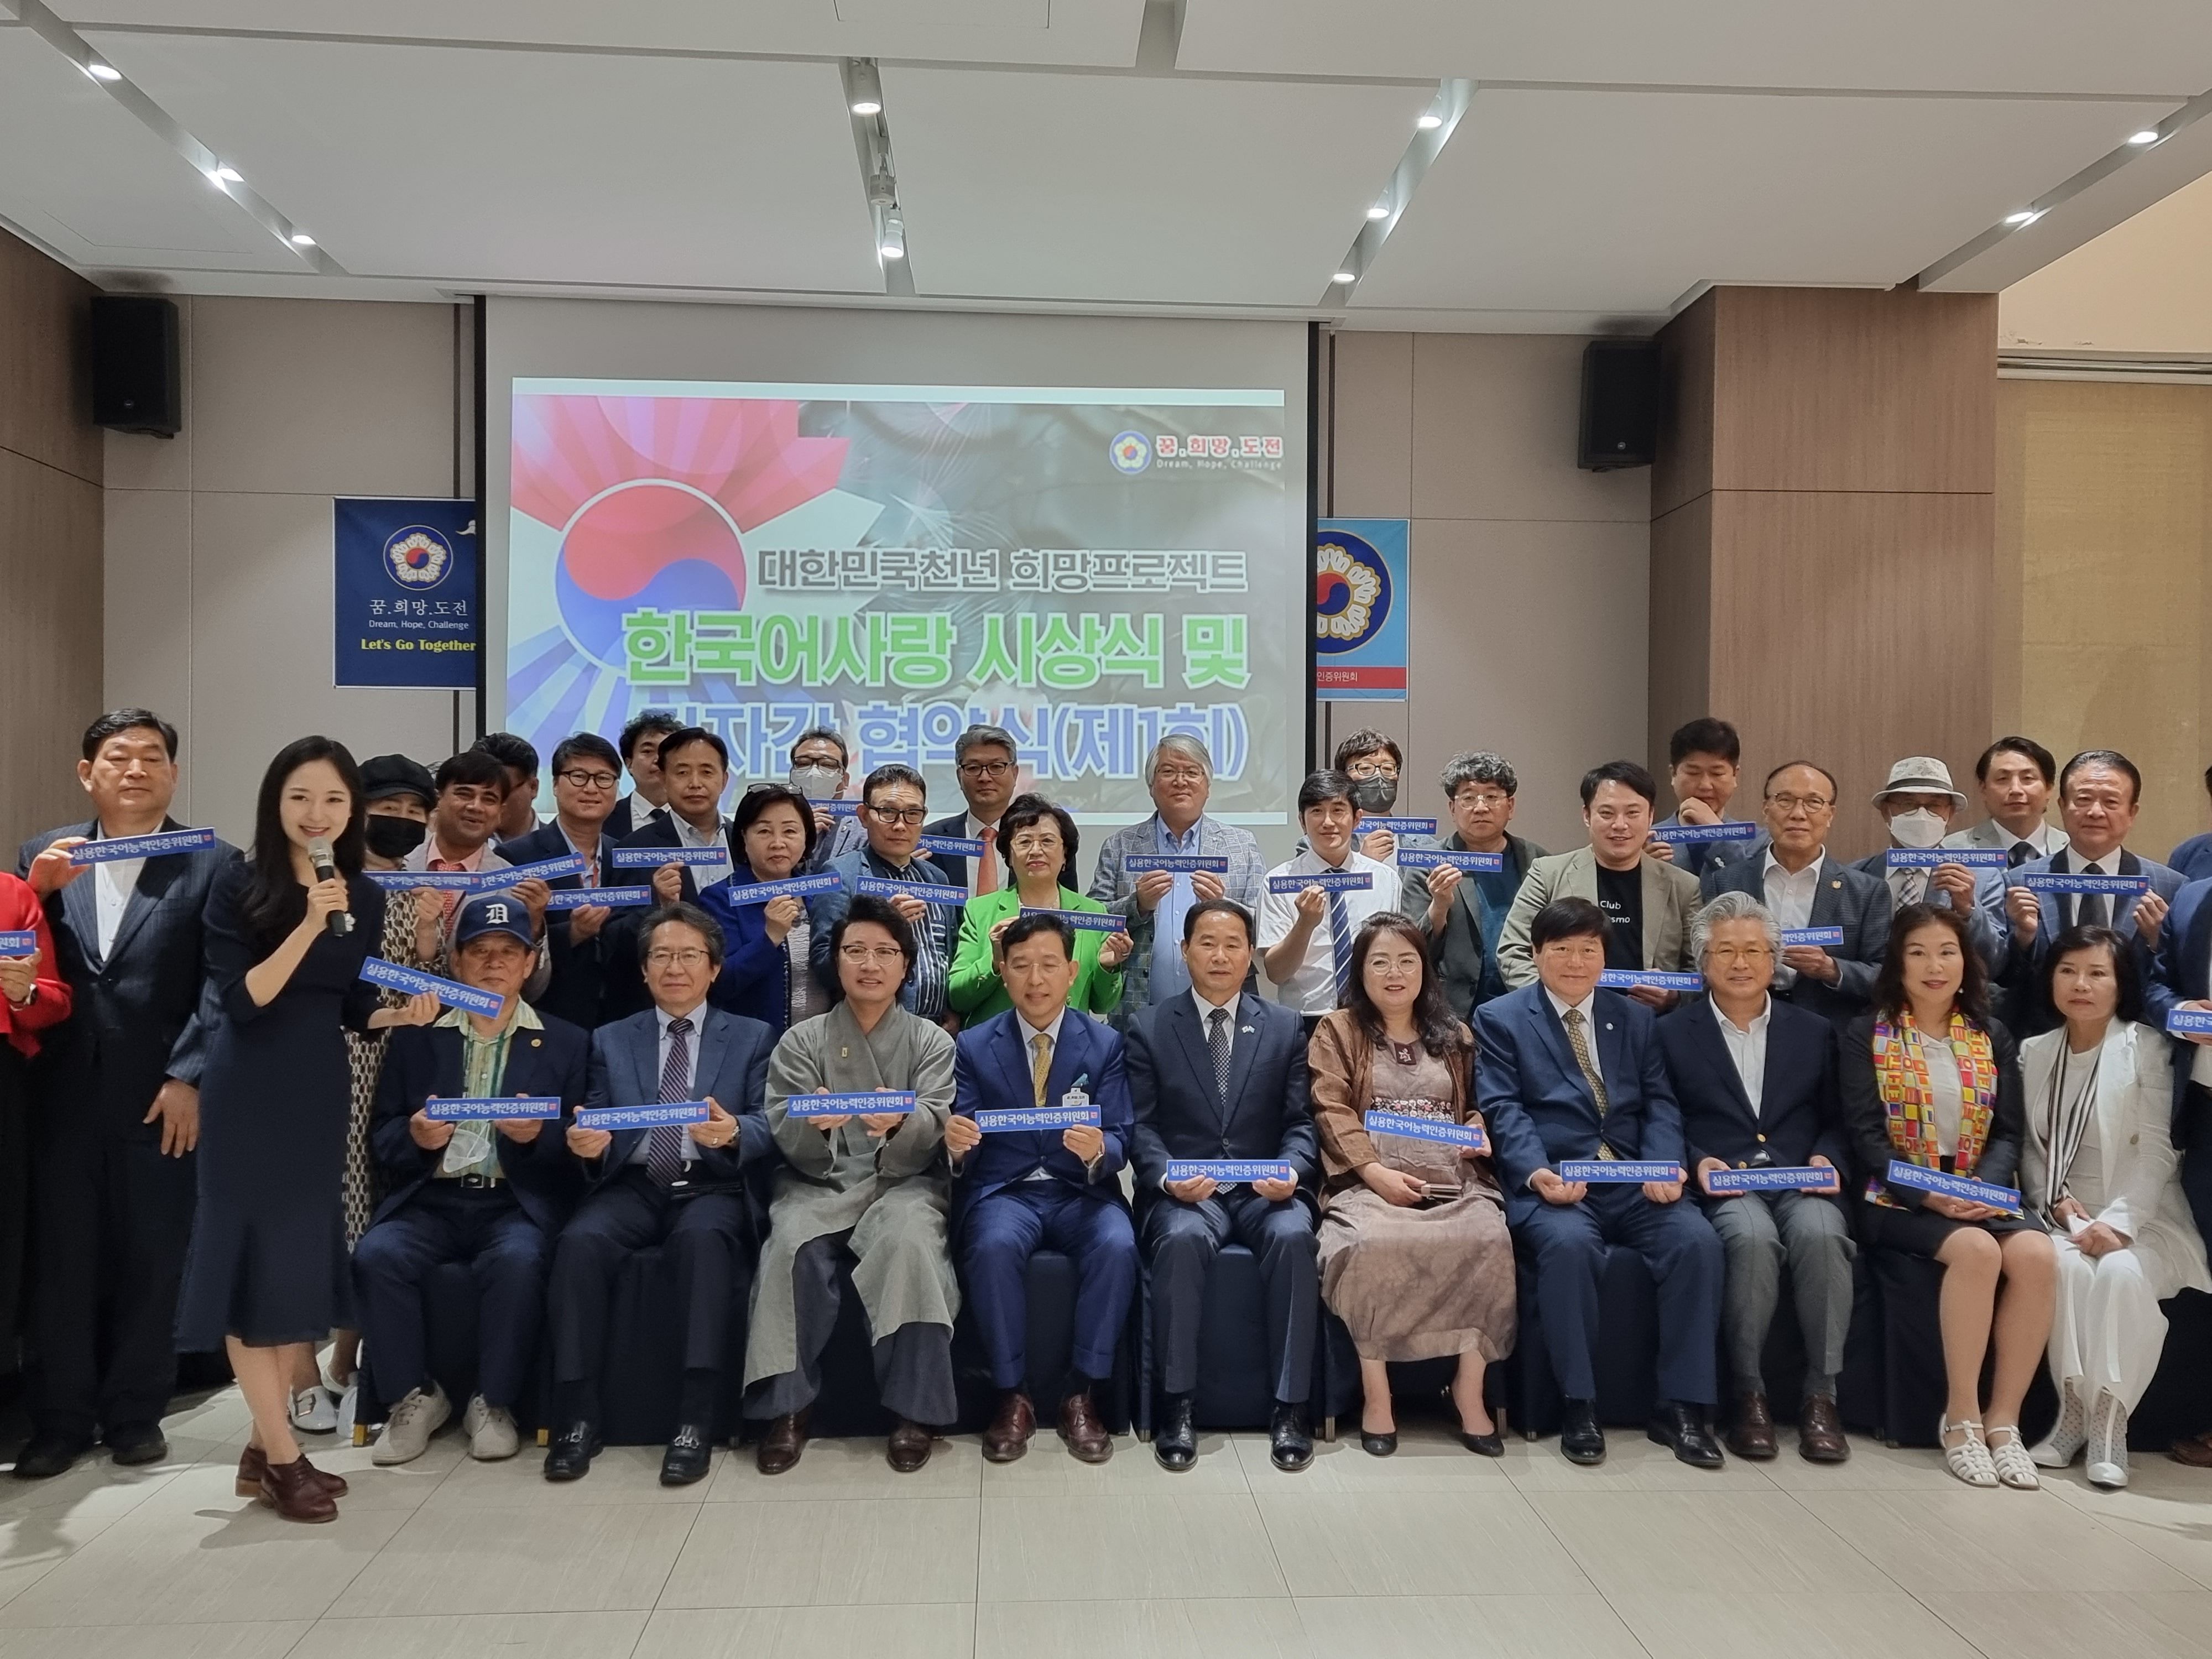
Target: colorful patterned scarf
1901,1078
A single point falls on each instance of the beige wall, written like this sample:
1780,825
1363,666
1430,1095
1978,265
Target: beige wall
2145,286
219,575
1530,577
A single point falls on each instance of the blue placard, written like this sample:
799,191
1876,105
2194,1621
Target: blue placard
1183,864
1363,597
454,994
614,898
837,808
1795,1178
491,1109
760,892
1903,1173
1090,921
14,944
2051,881
1817,938
1627,979
653,858
1683,835
447,881
1229,1170
161,844
1434,858
2190,1022
1416,1127
959,846
858,1104
1928,858
1329,881
929,893
1399,826
553,869
1606,1170
642,1117
406,593
1034,1120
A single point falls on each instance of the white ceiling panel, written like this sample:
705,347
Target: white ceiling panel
80,173
1058,31
2127,46
531,167
1121,188
1584,201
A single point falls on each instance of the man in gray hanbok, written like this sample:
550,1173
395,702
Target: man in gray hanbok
869,1191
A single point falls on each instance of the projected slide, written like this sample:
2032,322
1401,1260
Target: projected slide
1089,569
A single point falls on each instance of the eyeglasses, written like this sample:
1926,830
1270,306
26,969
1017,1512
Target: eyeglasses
985,768
1023,844
691,958
1178,774
1790,804
1739,953
580,780
1370,769
898,814
858,954
1484,801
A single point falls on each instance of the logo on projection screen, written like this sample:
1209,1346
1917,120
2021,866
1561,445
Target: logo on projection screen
1131,453
1351,594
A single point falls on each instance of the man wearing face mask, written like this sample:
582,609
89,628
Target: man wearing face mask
1373,763
1919,803
821,767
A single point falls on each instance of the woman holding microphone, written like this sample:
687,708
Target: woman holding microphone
267,1274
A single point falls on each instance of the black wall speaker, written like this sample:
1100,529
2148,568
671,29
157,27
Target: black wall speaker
1621,404
137,382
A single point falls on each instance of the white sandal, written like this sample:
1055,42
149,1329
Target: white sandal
1969,1459
2014,1468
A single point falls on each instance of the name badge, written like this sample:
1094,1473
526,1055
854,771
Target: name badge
1416,1127
2051,881
1434,858
558,869
1181,864
1602,1171
2190,1022
490,1109
760,892
1820,937
642,1117
1228,1172
440,881
18,944
929,893
1903,1173
1329,881
1031,1119
653,858
159,844
1927,858
1809,1178
860,1105
1627,979
1085,921
413,981
1683,835
959,846
615,898
1400,826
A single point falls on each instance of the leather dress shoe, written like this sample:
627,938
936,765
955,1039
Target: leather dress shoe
1484,1445
136,1444
1290,1441
569,1457
1683,1428
1820,1436
1378,1445
1752,1434
908,1449
253,1464
48,1455
1581,1440
295,1492
690,1451
1175,1442
1083,1430
780,1447
1008,1437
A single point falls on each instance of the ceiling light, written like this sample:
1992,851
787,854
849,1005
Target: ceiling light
2148,136
228,175
2024,216
102,72
1430,122
866,107
300,238
891,244
1380,210
892,250
1346,277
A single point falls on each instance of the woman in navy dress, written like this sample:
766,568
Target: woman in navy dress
267,1274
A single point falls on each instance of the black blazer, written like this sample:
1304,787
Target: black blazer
423,1060
1846,897
137,1021
1866,1121
624,819
1801,1108
579,978
1269,1112
622,982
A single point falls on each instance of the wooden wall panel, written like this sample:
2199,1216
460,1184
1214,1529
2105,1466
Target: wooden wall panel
45,391
1682,468
1680,648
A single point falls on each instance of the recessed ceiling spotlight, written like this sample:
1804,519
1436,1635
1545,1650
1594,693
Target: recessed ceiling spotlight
2024,216
866,107
2148,136
1430,122
892,250
300,238
102,72
1345,278
1380,210
229,175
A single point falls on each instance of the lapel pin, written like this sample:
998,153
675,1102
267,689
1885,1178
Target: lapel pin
537,1043
1836,884
1608,1025
1245,1030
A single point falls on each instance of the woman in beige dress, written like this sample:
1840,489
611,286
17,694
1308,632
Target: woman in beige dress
1414,1254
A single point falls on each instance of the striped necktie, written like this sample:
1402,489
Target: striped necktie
663,1151
1340,940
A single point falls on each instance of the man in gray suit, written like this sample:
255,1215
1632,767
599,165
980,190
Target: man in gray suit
1803,888
1465,912
2016,775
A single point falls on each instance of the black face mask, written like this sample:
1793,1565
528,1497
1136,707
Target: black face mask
392,838
1376,795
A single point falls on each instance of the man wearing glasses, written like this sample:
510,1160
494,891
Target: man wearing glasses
893,804
1804,888
1465,911
586,772
983,760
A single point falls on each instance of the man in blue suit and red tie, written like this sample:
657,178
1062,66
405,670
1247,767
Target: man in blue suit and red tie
1016,1191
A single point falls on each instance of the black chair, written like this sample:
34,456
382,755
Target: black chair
449,1317
848,1404
1627,1358
1858,1386
1051,1285
1339,1392
641,1384
1912,1387
1236,1384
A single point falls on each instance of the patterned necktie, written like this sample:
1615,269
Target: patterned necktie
1914,888
1340,940
1217,1038
1578,1039
1040,1066
663,1149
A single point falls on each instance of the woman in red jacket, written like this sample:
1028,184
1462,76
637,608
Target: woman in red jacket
33,997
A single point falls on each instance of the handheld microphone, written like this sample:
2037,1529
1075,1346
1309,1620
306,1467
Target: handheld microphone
338,923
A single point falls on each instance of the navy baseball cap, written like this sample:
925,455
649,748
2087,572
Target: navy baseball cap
493,912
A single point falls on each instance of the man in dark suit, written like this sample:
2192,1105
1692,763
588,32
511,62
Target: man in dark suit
1016,1191
694,770
987,766
492,1194
115,1093
1219,1075
1792,873
1465,912
641,753
585,774
1569,1071
1756,1082
681,1186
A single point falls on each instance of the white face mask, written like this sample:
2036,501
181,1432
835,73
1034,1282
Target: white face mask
816,782
1919,828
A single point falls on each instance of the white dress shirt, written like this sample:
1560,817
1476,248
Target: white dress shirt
1947,1098
1311,989
113,882
1747,1048
1790,897
705,875
1229,1025
662,1017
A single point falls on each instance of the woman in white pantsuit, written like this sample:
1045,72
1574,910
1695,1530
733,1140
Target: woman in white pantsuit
2098,1166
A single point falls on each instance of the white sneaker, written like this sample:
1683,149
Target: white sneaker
314,1410
491,1430
2009,1458
2059,1448
407,1432
2108,1443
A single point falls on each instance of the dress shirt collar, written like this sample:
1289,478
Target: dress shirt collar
1205,1007
521,1017
1030,1033
688,836
1559,1006
438,859
1758,1021
1171,842
662,1016
1771,865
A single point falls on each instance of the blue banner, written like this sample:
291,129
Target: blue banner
1819,937
491,1109
1399,826
2190,1022
1805,1178
1416,1127
959,846
161,844
18,944
406,594
2053,881
760,892
1928,858
1085,921
553,869
837,808
1362,595
1031,1119
929,893
614,898
1329,881
1138,864
653,858
1606,1170
642,1117
866,1103
413,981
1434,858
1228,1171
1921,1179
1685,834
1655,978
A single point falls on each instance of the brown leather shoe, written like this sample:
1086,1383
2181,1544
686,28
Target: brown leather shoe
780,1447
252,1461
296,1492
909,1447
2195,1451
1008,1437
1082,1428
1752,1434
1820,1437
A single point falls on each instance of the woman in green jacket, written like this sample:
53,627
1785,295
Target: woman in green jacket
1036,846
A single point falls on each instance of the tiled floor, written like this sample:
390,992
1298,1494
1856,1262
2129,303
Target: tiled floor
1433,1553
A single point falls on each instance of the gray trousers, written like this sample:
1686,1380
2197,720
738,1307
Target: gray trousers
913,1364
1761,1233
